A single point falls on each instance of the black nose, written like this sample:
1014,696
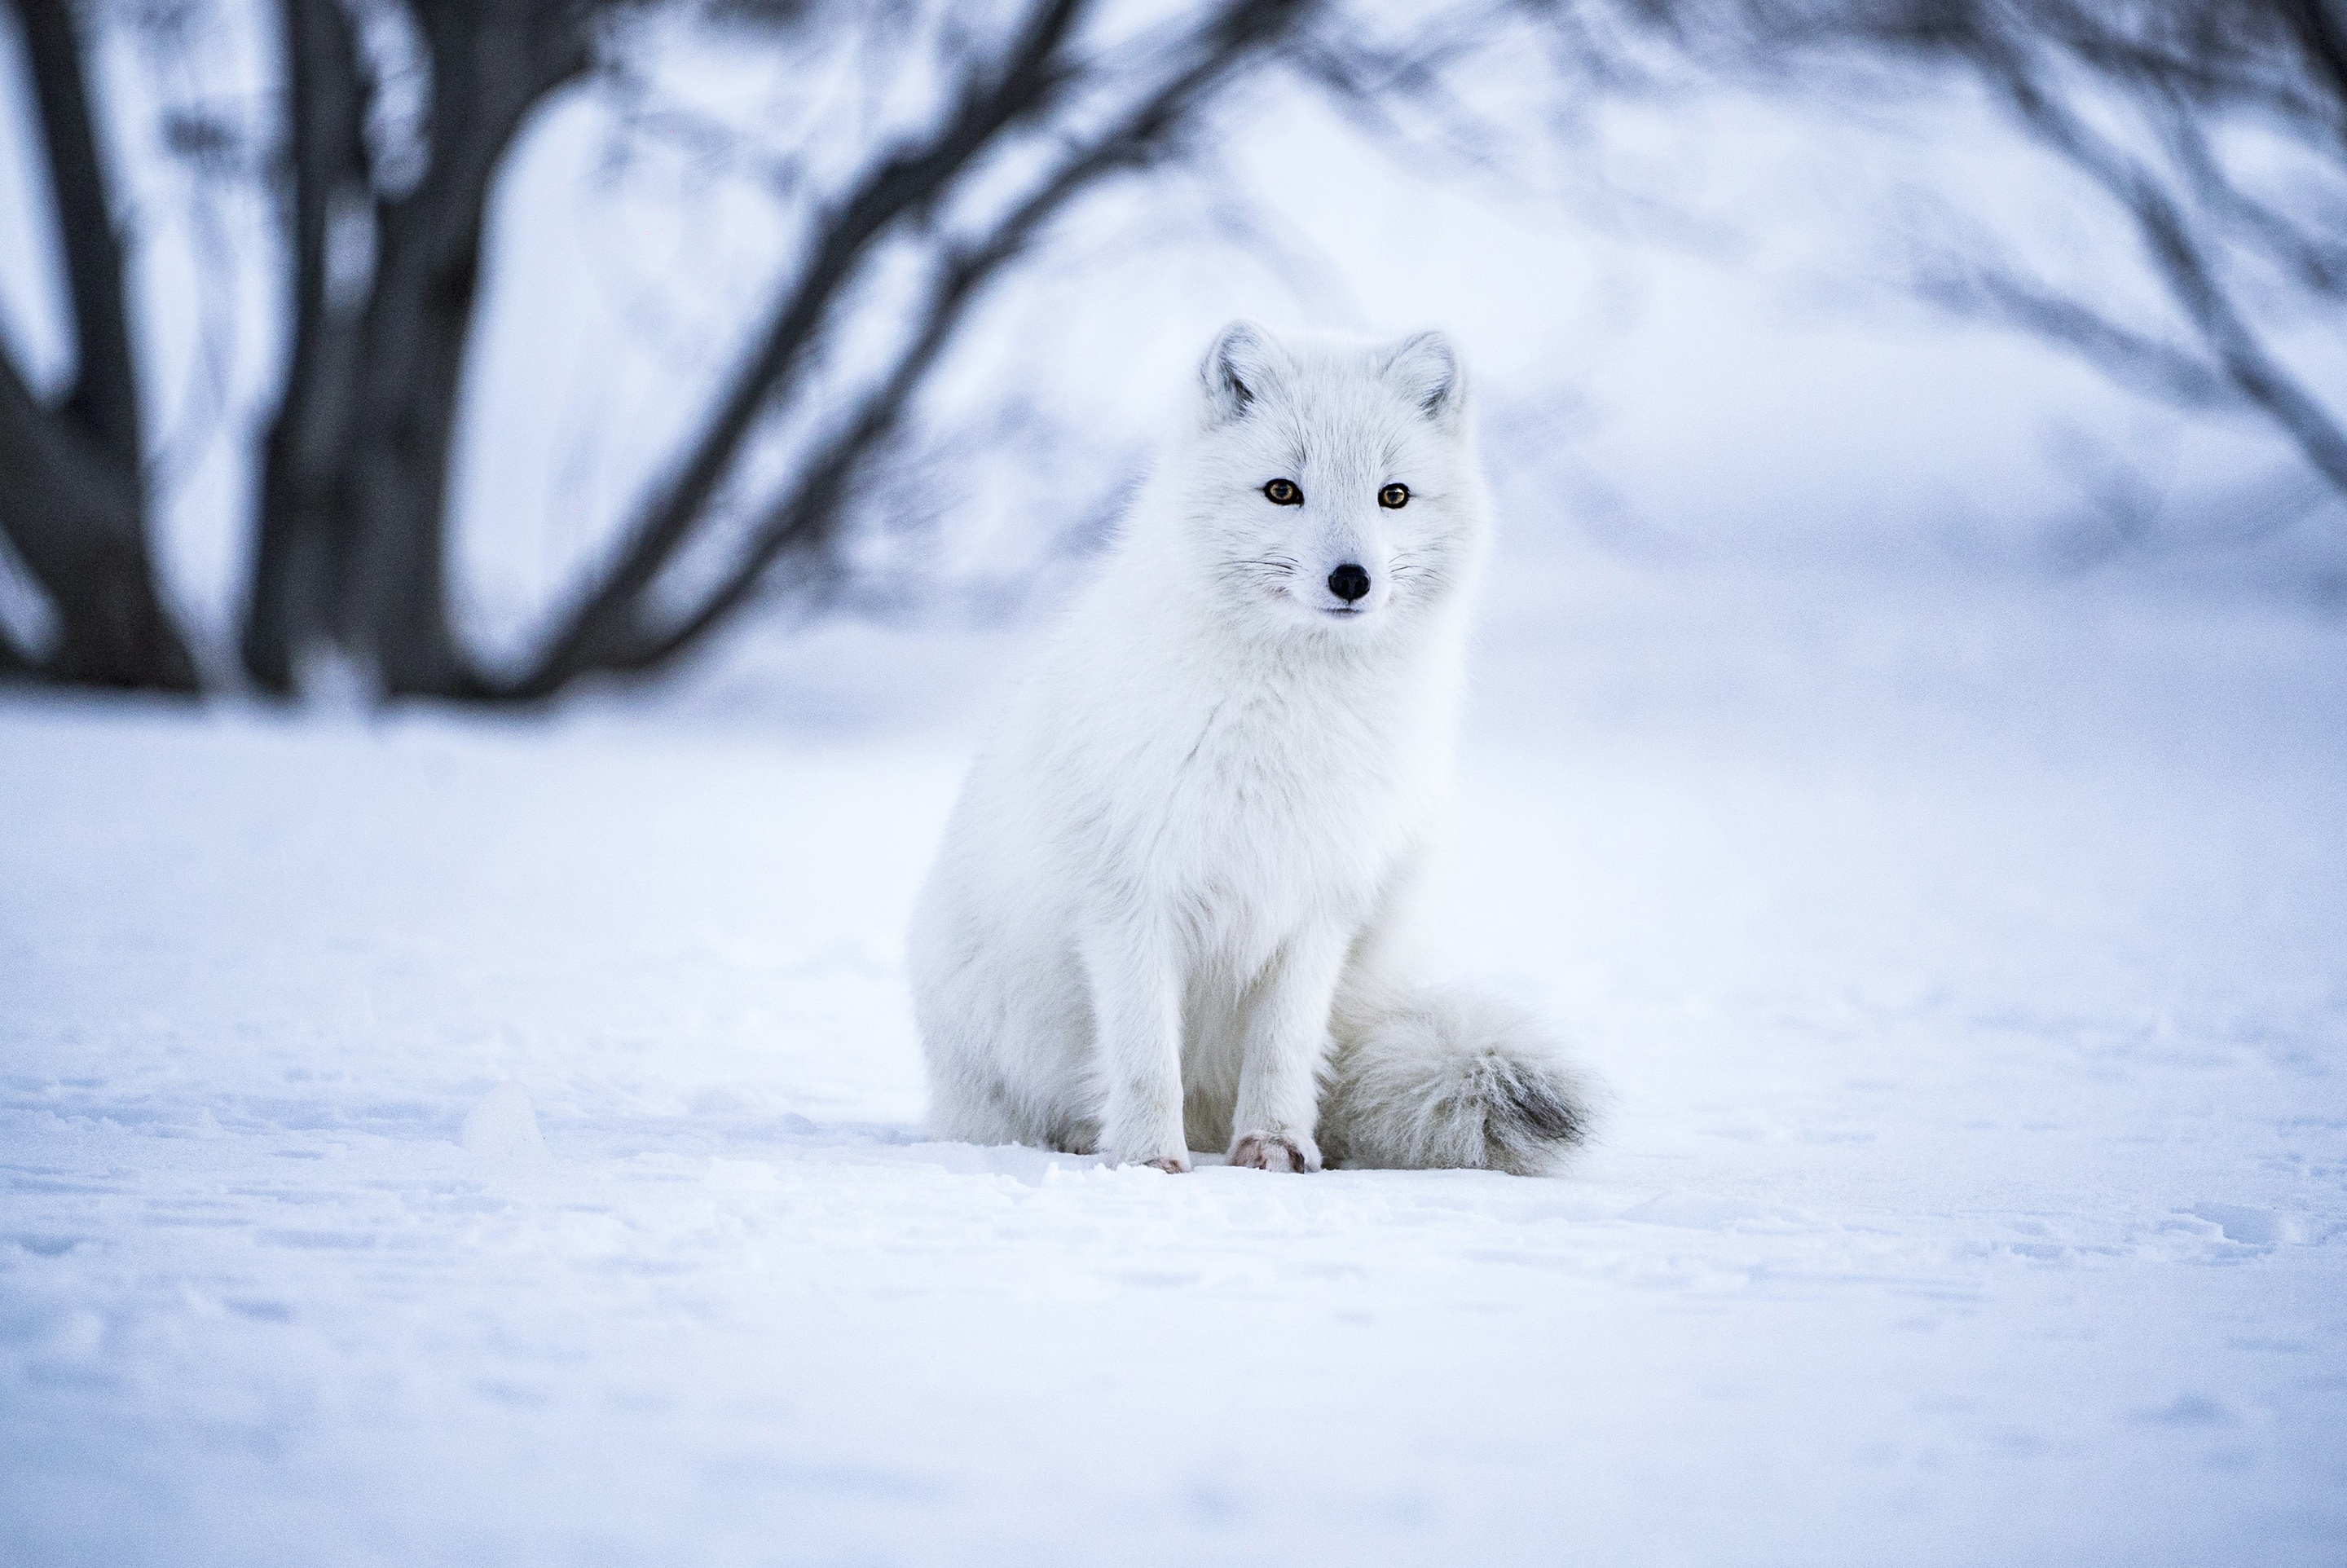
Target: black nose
1348,582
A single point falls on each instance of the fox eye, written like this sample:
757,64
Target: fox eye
1282,493
1394,496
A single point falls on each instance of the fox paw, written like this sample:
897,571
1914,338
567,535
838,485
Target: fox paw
1169,1164
1274,1152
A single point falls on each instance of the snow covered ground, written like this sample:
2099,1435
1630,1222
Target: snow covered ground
448,1141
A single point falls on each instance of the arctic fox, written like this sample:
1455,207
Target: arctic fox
1172,906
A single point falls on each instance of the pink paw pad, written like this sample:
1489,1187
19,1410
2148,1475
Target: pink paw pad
1271,1152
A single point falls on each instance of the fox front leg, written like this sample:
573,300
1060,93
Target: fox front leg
1279,1065
1137,1016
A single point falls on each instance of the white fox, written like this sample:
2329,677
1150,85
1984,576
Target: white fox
1170,909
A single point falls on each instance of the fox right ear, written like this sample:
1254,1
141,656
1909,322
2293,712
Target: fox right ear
1237,370
1424,368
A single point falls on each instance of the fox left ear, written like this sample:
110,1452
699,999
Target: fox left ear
1425,369
1240,366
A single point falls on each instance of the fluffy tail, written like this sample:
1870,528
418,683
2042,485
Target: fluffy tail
1445,1077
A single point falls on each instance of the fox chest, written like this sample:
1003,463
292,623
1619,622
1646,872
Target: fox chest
1262,829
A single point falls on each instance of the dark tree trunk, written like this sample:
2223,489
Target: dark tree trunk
73,505
295,574
491,66
353,539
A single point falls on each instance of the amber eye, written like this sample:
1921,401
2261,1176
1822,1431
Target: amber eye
1282,493
1394,496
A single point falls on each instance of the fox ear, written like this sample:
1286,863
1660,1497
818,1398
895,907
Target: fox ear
1424,368
1237,370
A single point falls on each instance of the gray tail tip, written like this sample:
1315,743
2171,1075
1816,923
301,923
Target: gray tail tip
1551,1110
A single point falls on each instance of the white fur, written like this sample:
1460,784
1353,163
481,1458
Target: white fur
1188,853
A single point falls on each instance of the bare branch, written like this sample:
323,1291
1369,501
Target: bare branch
809,509
2321,33
2184,267
1025,82
2163,369
2185,71
2315,264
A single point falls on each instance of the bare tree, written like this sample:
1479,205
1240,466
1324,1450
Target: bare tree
354,536
382,231
2217,129
1095,112
352,546
73,505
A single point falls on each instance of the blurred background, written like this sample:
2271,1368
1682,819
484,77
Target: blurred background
354,351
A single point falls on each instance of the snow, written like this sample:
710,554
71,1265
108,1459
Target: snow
446,1140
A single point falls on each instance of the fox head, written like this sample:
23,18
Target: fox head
1332,488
